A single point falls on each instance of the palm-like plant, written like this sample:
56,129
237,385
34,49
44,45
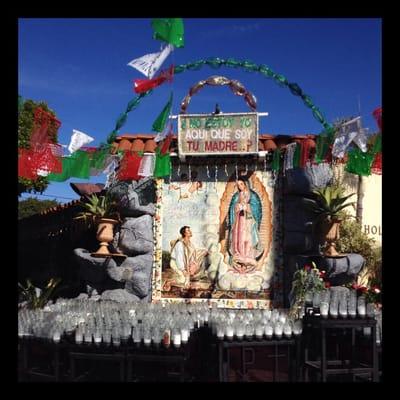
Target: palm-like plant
36,297
98,207
328,203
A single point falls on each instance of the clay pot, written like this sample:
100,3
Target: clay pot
105,234
331,235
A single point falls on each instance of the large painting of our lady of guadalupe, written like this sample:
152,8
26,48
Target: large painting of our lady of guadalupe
214,238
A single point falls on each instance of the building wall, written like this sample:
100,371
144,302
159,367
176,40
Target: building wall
371,201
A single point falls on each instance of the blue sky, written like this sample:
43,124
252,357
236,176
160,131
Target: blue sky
79,67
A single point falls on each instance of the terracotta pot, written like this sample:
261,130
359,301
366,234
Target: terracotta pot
105,234
331,234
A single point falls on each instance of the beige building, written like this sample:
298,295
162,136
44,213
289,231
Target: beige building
368,197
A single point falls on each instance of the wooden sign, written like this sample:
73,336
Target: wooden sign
204,134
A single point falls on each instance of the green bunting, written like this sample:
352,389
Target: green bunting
359,163
163,165
65,174
322,146
75,166
169,30
276,160
160,122
296,156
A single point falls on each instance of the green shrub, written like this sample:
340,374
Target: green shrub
354,240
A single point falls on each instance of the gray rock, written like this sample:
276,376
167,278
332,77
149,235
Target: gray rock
134,198
139,285
344,269
130,281
92,270
119,295
135,236
136,273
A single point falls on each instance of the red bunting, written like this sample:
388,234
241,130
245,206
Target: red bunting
377,113
167,142
129,167
144,85
306,146
376,167
45,157
25,169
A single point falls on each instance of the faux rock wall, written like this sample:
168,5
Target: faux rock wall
129,280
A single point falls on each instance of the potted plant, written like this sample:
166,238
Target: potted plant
102,210
328,204
305,280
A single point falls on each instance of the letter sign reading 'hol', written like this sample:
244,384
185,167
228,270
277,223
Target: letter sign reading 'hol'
200,134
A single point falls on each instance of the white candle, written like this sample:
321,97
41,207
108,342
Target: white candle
269,331
56,336
240,334
259,331
324,309
361,310
78,338
229,332
287,330
278,330
176,339
184,335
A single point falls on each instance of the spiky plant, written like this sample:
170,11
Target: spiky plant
36,297
98,207
328,203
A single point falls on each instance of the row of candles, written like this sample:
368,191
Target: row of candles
111,322
343,303
250,324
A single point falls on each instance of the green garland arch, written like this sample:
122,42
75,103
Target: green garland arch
216,63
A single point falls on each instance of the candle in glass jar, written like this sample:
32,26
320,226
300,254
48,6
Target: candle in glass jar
229,332
269,330
324,309
239,330
184,335
297,327
78,336
167,338
287,329
220,331
176,338
259,331
361,307
56,336
278,328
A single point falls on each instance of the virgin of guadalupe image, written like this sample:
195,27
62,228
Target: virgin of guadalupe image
245,214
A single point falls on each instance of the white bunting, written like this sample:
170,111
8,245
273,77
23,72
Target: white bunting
361,140
147,165
78,139
149,64
348,132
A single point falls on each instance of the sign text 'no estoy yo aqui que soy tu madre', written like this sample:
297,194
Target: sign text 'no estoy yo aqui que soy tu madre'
233,133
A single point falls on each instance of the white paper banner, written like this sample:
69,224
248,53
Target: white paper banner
348,132
149,64
78,139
